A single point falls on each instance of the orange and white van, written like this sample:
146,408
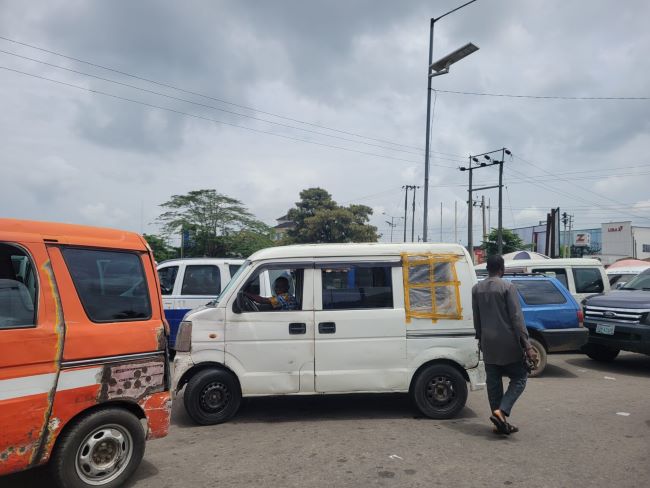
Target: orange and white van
84,375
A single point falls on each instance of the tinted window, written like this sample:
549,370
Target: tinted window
167,277
17,288
539,292
588,280
233,268
640,282
201,279
111,285
349,287
558,273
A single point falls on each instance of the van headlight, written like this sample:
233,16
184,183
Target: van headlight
184,337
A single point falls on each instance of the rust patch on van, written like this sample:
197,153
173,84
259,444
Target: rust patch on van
134,380
42,448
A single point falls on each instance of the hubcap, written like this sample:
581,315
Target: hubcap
104,454
215,397
440,391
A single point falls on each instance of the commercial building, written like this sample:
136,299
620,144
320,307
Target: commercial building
609,243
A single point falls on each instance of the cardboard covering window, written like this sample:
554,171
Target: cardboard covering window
431,286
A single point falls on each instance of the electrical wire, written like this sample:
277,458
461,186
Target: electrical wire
539,97
216,121
212,107
209,97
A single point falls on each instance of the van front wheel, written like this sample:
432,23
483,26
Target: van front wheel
212,396
439,391
102,449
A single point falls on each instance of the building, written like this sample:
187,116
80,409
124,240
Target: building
609,243
284,225
624,240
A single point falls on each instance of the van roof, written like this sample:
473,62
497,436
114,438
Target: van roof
547,263
354,250
206,259
80,235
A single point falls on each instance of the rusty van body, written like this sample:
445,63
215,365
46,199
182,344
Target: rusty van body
84,376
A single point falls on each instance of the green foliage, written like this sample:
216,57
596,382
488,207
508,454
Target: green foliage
217,225
511,242
161,250
318,218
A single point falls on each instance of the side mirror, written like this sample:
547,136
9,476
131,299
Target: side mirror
619,285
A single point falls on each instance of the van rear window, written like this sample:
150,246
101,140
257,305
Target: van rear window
539,292
111,285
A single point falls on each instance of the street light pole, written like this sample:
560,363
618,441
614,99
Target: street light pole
426,149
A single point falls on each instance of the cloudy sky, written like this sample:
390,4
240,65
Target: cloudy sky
261,99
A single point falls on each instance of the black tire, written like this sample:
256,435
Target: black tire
540,364
212,396
439,391
598,352
102,449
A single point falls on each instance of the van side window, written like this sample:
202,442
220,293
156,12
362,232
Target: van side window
559,273
356,286
111,285
233,268
273,289
167,277
18,288
588,280
201,279
432,289
539,292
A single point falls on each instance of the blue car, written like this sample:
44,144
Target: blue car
553,318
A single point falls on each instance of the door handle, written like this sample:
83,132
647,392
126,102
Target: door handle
297,328
327,328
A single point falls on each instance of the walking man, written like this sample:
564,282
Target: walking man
503,339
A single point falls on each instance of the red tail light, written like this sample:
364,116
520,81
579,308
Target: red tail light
581,318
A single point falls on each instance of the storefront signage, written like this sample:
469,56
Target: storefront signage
582,239
615,229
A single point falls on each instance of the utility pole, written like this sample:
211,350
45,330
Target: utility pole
483,209
456,221
500,231
483,164
406,195
413,215
406,189
448,61
565,221
440,221
392,224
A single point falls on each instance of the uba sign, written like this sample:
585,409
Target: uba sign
615,229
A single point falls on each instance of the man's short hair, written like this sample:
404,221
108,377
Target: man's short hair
495,263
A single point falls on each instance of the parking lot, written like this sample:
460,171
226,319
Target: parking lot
582,424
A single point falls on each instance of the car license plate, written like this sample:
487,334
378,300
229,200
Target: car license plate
605,329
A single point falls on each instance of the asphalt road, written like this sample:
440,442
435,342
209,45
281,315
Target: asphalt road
582,424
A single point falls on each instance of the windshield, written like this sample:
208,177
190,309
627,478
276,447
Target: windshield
232,281
641,282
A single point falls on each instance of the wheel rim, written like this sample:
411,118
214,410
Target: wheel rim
440,391
104,454
214,398
538,360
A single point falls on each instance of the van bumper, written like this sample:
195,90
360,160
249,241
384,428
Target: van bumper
182,363
476,377
558,340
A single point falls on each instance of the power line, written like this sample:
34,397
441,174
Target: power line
539,97
231,112
220,100
216,121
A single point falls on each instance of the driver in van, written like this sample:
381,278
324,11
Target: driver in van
282,300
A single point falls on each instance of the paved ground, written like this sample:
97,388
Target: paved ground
582,424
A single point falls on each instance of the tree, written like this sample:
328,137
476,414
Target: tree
318,218
161,250
511,242
213,225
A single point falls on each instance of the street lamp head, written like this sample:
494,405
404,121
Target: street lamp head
508,152
483,164
463,168
475,159
487,157
443,64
